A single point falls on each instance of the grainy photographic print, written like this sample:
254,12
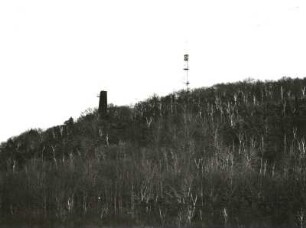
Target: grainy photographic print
164,113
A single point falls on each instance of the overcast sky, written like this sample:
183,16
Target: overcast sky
56,55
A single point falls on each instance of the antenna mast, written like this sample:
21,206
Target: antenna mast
186,68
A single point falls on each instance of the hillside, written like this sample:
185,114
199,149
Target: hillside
230,155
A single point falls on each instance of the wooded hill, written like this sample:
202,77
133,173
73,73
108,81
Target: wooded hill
229,155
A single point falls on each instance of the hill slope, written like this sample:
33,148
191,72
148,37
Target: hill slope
232,154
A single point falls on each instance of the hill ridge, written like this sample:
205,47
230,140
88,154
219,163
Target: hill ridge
187,158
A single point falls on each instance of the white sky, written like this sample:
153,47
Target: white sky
56,55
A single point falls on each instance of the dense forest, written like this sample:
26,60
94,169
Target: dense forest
232,155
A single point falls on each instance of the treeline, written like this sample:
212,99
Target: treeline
230,155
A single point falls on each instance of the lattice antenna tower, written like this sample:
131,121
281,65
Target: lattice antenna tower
186,69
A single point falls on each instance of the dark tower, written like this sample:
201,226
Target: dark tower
103,103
